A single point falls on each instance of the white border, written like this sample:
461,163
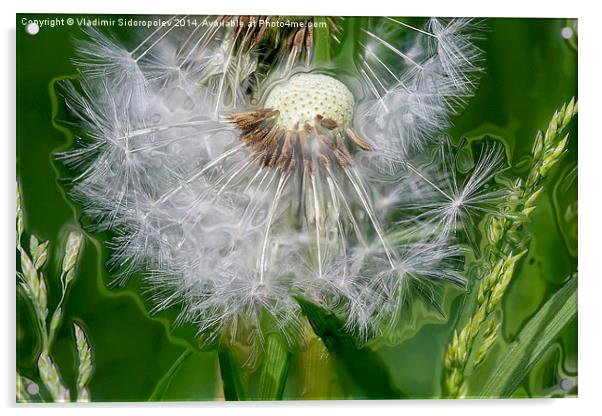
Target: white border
590,156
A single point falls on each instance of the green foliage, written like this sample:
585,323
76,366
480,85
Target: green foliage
363,365
533,341
504,235
34,287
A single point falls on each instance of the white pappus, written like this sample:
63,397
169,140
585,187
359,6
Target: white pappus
234,188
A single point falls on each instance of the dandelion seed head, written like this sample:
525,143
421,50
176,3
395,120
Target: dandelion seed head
231,205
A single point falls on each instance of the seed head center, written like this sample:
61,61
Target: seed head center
304,97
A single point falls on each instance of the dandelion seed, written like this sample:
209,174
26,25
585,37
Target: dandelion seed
443,204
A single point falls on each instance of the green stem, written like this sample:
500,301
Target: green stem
274,370
57,315
234,389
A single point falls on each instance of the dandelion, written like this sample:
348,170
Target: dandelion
235,188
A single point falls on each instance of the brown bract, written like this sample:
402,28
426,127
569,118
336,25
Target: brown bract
322,142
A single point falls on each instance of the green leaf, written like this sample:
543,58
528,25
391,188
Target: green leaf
274,368
189,378
365,367
533,341
166,380
351,35
321,41
234,389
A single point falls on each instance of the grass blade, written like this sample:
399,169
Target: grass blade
533,341
163,384
274,369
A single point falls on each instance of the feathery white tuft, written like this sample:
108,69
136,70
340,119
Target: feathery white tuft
230,240
418,87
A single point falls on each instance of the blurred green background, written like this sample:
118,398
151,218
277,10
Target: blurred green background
531,71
